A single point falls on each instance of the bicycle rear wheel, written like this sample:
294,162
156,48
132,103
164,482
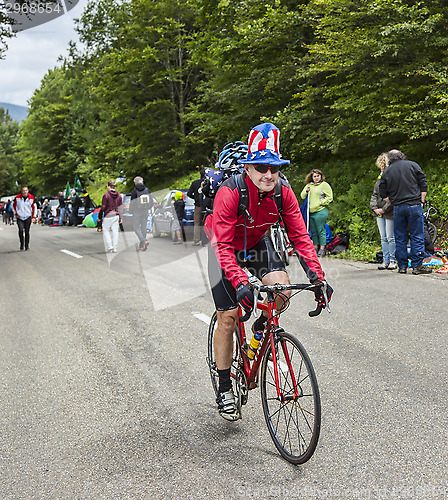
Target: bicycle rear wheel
294,426
236,369
432,230
282,246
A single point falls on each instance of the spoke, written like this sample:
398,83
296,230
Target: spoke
282,405
287,429
299,432
301,408
301,446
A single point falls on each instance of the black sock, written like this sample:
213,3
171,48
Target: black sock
260,322
225,384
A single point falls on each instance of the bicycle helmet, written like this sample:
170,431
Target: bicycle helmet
230,154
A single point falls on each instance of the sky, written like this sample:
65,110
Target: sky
32,53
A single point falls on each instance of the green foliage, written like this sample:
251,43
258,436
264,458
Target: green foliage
141,86
364,252
182,182
9,161
46,145
5,29
361,88
437,175
160,86
252,50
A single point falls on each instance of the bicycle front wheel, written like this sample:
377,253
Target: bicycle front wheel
293,419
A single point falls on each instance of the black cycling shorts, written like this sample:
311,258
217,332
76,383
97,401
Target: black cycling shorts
263,260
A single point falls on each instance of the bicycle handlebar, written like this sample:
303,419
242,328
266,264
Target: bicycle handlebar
244,318
270,289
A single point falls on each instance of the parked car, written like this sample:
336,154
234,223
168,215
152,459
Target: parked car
126,216
162,220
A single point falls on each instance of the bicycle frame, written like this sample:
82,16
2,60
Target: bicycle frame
251,367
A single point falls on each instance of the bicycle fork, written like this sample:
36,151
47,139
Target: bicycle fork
289,370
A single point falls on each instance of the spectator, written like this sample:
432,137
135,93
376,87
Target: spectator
385,219
320,196
404,185
76,204
88,204
195,192
111,208
25,210
141,202
45,212
62,208
9,213
179,206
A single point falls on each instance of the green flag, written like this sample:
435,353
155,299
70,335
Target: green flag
78,187
67,191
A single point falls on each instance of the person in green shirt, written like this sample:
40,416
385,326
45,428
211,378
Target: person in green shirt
320,196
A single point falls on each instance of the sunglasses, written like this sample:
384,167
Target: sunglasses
264,168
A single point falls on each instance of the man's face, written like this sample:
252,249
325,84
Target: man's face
25,191
265,182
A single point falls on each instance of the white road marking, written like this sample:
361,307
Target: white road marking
72,254
203,317
1,229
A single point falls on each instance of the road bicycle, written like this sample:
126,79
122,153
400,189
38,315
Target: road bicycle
281,366
281,242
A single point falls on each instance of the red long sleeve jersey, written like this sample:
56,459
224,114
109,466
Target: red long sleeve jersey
225,228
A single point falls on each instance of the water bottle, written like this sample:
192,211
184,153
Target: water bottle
254,343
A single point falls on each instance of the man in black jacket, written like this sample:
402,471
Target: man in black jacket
195,192
141,202
403,184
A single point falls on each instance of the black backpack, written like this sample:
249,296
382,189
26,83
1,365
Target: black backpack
338,243
145,199
238,181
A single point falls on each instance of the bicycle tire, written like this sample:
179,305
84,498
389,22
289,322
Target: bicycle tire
285,256
236,367
282,246
294,426
432,230
273,235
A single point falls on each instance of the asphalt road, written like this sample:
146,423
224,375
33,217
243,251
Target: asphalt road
105,392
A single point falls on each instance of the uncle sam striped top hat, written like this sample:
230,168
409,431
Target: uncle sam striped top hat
264,142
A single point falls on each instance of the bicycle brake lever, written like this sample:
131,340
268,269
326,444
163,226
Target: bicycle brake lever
255,309
327,304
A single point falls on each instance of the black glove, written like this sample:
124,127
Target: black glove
319,292
245,296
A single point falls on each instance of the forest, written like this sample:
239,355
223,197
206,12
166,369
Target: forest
157,87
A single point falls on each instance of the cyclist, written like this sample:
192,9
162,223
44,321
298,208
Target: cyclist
240,240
